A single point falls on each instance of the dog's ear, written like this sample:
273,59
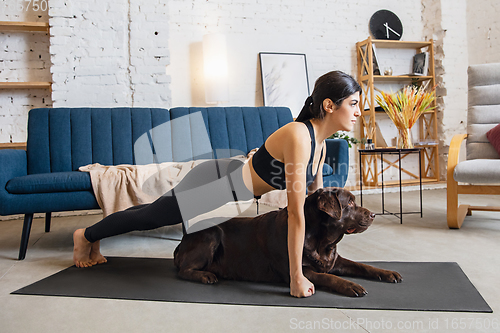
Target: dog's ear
329,203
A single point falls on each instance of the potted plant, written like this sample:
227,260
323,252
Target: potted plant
405,107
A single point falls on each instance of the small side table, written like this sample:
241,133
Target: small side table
392,151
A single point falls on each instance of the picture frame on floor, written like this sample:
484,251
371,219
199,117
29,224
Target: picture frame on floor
285,80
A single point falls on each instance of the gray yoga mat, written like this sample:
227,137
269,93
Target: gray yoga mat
427,286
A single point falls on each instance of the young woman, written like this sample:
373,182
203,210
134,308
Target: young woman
294,166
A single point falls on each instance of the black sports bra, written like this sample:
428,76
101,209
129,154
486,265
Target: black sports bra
272,171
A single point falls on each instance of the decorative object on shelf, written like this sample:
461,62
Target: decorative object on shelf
388,71
421,63
405,138
384,24
369,145
376,64
405,107
284,80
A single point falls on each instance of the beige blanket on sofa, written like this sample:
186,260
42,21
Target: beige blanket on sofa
122,186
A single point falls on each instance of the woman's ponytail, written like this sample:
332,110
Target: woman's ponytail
306,112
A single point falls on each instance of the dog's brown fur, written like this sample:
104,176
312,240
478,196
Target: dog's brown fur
255,249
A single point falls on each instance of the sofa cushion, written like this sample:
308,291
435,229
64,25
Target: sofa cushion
327,170
480,171
493,136
50,183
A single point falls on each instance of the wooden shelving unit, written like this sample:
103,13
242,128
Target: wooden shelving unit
24,26
13,145
401,78
25,85
6,26
427,122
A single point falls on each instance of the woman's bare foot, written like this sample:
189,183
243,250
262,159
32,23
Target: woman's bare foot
82,250
95,253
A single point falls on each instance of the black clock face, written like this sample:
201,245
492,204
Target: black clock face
384,24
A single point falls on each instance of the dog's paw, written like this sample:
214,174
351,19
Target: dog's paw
352,289
209,278
390,276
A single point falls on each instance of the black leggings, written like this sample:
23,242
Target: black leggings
206,187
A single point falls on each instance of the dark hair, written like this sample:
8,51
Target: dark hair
336,86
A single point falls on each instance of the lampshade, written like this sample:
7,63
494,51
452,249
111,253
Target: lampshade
215,68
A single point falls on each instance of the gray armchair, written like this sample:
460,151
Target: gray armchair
480,172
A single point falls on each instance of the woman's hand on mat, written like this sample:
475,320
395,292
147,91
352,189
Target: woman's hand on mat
301,287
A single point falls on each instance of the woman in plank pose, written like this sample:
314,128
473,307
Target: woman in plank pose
291,158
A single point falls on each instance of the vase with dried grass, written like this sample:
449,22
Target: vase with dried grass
405,107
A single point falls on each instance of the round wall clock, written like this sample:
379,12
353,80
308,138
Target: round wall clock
384,24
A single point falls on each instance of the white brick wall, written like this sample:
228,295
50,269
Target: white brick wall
483,31
88,50
24,57
109,53
445,22
455,62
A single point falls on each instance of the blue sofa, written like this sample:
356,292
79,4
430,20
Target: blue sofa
44,178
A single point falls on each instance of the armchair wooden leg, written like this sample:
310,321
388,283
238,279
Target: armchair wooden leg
463,210
28,219
457,219
454,215
453,220
47,221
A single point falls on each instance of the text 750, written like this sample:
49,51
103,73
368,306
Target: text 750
34,5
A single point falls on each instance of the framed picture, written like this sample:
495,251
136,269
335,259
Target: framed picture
421,63
284,80
376,66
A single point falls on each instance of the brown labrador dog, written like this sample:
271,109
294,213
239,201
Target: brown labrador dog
255,249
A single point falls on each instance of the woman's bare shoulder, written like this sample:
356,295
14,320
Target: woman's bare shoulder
292,137
294,130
